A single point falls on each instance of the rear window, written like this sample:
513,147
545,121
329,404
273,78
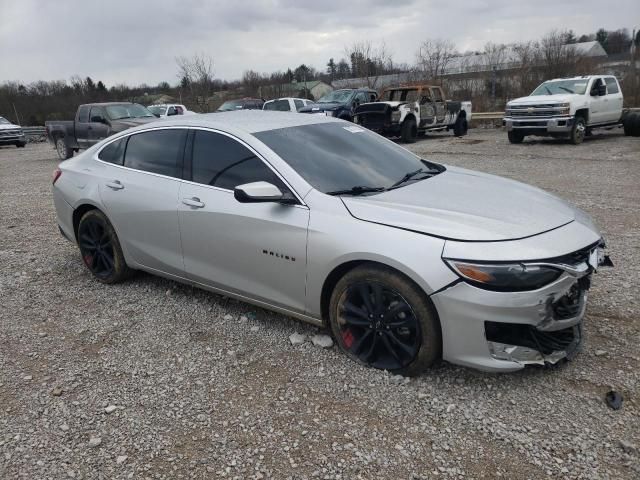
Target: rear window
158,151
114,152
277,105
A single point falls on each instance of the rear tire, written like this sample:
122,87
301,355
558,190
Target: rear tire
460,127
635,125
100,248
515,137
578,131
21,144
64,152
383,320
628,124
409,131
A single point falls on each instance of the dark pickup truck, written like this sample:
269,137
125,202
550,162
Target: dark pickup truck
94,122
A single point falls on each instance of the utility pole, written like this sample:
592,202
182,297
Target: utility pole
494,73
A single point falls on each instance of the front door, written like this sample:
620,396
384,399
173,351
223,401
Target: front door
142,198
97,128
252,249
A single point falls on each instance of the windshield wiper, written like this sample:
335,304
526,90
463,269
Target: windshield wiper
567,89
412,175
357,190
548,91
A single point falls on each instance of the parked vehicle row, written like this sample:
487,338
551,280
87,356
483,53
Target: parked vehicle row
405,260
11,134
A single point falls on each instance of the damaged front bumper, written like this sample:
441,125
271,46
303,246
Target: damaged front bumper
505,331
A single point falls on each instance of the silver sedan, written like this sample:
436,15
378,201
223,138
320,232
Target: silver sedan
406,261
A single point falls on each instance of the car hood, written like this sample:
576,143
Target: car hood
9,126
320,107
133,122
461,204
536,99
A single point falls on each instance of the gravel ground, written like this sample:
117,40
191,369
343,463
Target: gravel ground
152,379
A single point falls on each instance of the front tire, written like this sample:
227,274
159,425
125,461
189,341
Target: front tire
21,144
100,248
578,131
64,152
515,137
409,131
383,320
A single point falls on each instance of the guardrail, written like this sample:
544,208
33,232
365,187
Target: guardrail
35,134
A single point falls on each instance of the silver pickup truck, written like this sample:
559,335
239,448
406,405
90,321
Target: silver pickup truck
93,122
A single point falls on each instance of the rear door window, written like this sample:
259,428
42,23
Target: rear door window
612,85
114,152
223,162
157,151
83,114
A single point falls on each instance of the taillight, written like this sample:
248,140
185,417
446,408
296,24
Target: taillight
56,175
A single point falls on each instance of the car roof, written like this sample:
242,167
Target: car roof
105,104
248,121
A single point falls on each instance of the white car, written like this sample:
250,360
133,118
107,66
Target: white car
287,104
11,134
169,109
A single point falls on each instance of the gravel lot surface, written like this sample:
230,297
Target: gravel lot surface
152,379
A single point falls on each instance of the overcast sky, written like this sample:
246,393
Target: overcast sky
136,41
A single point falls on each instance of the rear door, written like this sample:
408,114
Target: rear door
140,191
82,126
252,249
97,128
614,100
439,104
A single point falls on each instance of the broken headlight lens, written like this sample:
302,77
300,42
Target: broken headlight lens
504,277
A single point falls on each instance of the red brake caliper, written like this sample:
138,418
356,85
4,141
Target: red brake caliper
347,338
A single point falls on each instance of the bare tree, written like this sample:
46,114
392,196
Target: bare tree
434,56
196,74
369,61
557,58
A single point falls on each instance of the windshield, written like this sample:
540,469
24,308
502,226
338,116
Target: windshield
231,105
4,121
334,156
578,86
278,105
131,110
399,95
157,110
337,96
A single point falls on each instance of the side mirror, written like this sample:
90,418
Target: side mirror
98,119
260,192
602,90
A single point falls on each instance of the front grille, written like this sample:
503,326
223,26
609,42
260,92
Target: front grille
536,113
529,336
530,124
539,110
373,121
10,133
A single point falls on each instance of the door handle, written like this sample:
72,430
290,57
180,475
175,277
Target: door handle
193,202
115,185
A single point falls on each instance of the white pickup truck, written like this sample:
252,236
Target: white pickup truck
566,107
407,111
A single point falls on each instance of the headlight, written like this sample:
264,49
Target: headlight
504,277
565,108
395,116
329,113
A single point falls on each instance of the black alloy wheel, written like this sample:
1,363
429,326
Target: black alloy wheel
378,326
100,248
96,248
